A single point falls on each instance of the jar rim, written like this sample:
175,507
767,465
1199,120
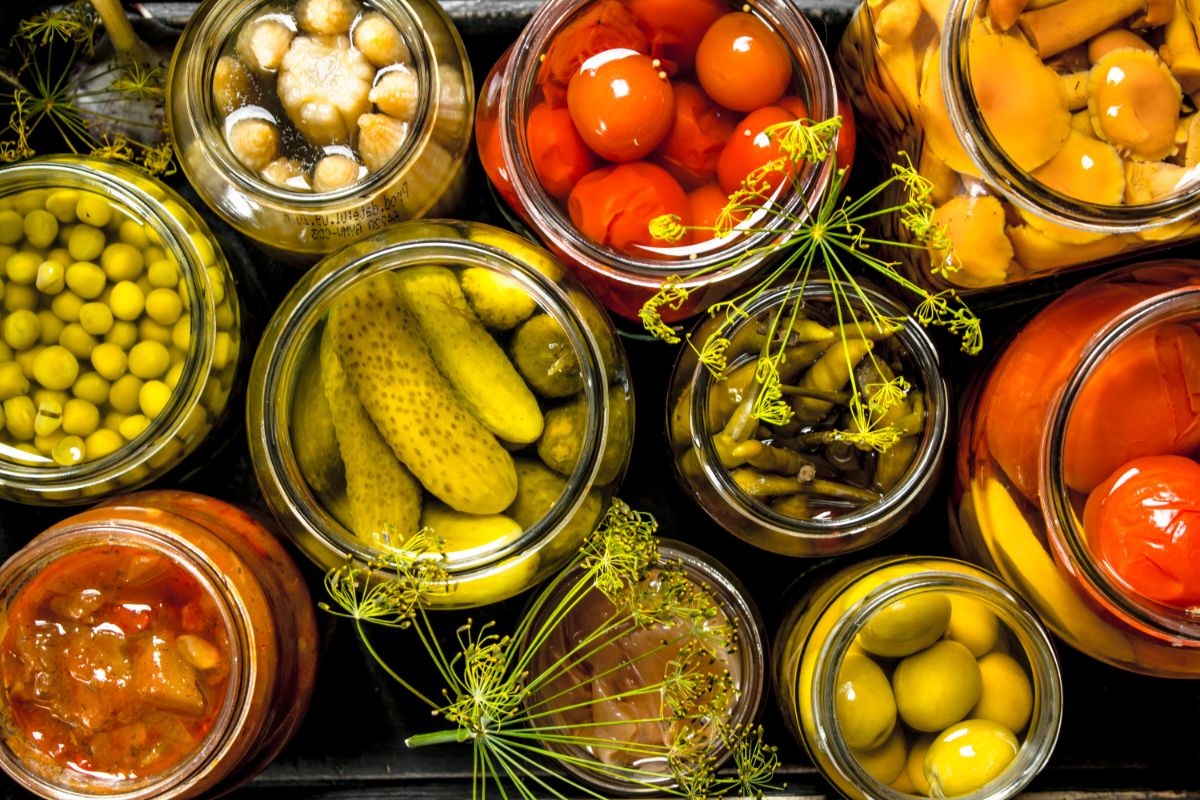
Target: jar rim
736,603
851,529
271,387
1000,171
550,220
1045,673
74,536
116,182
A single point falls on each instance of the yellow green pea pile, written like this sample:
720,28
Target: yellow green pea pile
928,699
95,328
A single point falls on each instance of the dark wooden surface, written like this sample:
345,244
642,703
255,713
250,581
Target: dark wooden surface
1124,737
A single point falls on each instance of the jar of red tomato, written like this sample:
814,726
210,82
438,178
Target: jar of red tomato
606,114
1078,479
160,645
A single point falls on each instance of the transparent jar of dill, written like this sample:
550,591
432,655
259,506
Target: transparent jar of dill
307,124
848,449
446,377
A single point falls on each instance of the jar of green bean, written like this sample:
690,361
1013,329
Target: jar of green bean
821,427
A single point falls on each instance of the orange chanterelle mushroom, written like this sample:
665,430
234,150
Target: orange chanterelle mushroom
1135,103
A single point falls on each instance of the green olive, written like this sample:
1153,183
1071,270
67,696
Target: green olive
915,768
967,756
972,624
884,763
936,687
865,706
1007,694
907,625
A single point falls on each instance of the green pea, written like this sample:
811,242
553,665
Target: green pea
181,334
113,420
223,350
79,417
153,398
21,329
224,316
93,209
60,255
208,255
68,450
41,228
56,367
12,380
12,227
164,306
162,273
29,200
66,306
143,283
216,280
149,360
197,420
52,326
92,387
109,361
173,375
86,279
132,426
96,318
48,419
151,331
6,353
133,233
180,213
44,395
122,262
123,334
45,444
17,298
102,443
123,396
22,267
127,302
61,203
6,252
85,243
26,358
19,414
51,277
77,341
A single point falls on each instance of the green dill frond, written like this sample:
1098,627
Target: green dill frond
668,228
414,575
770,406
884,396
802,140
74,22
621,550
672,294
754,761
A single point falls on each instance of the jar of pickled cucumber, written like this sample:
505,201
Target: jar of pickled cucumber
162,644
120,330
445,377
919,677
308,124
806,486
1077,473
587,165
1093,159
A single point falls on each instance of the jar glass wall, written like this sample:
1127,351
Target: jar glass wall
442,376
121,334
309,125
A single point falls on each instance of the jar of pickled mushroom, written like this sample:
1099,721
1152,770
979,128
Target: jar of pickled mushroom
919,677
1095,156
119,331
606,114
307,124
618,730
162,644
1077,468
809,485
446,377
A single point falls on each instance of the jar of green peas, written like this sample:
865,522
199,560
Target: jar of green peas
119,330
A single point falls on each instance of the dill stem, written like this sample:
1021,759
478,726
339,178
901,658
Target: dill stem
119,30
450,736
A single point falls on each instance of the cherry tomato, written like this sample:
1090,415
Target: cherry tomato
750,148
622,104
487,133
1144,523
615,205
675,27
1142,400
847,136
560,157
742,63
794,105
697,137
606,25
706,204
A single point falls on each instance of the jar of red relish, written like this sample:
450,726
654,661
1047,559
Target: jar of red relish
1078,478
162,644
606,114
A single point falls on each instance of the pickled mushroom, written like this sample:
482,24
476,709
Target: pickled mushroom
1192,154
1115,39
328,17
1180,49
233,86
1062,233
975,225
1061,26
379,138
1075,85
254,141
1037,252
396,93
1148,182
286,173
937,11
1135,103
895,20
1004,13
379,40
1085,169
1158,13
940,135
262,44
945,181
334,172
324,85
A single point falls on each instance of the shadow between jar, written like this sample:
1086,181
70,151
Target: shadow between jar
828,537
301,513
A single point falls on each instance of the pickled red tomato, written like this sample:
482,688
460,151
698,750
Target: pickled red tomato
606,25
615,205
750,148
706,204
675,27
794,105
742,63
560,156
697,136
1144,523
622,104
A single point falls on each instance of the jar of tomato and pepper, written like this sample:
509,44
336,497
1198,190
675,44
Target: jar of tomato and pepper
607,114
1078,477
162,644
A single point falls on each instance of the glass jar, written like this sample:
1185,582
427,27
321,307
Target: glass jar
1042,479
253,156
746,667
828,658
1059,177
883,490
195,631
624,274
121,330
535,411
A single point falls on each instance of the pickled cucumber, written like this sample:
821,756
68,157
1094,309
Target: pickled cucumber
460,533
414,407
499,301
538,489
544,355
562,443
383,496
313,439
468,356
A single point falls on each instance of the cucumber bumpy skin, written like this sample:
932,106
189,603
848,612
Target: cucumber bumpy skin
460,533
415,409
477,368
539,489
313,438
383,497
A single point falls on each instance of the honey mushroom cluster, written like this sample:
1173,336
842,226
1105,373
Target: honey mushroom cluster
317,98
1106,115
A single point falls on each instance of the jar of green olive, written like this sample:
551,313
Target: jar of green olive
919,677
308,124
119,337
812,484
444,378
